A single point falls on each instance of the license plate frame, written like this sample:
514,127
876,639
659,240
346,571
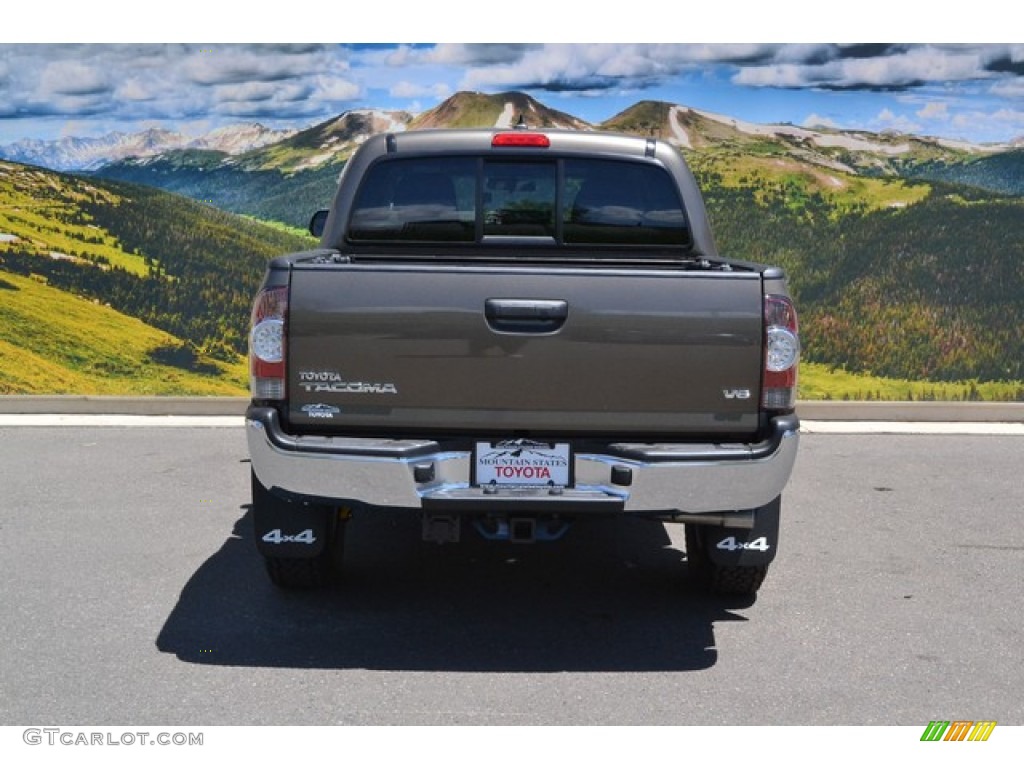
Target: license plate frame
522,463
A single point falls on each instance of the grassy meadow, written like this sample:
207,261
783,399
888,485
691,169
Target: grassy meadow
54,343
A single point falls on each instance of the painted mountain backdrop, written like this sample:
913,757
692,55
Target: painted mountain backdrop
78,154
906,253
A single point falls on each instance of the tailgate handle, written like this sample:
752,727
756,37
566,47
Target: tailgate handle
525,315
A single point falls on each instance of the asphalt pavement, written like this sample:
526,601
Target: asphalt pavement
132,594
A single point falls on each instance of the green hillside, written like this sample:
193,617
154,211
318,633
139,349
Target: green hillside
932,290
266,193
1002,172
111,287
826,382
43,213
52,342
800,186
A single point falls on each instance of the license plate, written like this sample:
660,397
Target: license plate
522,463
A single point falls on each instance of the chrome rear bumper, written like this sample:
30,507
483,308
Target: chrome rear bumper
686,478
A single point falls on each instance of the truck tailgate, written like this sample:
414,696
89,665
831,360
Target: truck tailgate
503,351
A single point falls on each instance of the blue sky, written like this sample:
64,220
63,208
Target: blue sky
973,91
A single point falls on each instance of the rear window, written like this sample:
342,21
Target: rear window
425,200
569,201
621,203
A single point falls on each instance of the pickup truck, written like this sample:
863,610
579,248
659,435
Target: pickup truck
511,331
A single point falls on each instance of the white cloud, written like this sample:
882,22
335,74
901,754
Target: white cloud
469,55
219,65
889,120
135,90
1008,89
72,78
407,90
780,76
934,110
331,88
132,83
716,53
817,121
1007,119
248,92
896,68
569,67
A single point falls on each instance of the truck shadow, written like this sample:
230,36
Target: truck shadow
611,596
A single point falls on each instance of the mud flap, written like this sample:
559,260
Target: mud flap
288,529
745,546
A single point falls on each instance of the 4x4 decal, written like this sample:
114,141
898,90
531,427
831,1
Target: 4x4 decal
731,545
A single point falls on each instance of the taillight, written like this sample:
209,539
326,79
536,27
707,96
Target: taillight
520,139
267,345
781,354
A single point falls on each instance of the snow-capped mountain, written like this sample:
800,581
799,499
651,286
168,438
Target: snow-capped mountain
236,139
74,153
325,143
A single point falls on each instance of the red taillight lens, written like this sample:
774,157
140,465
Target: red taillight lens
520,139
267,345
781,353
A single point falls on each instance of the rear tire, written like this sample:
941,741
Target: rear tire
319,570
302,572
724,580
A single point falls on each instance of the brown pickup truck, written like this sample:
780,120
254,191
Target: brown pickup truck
509,331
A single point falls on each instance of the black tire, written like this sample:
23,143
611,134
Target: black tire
725,580
311,572
301,572
320,570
